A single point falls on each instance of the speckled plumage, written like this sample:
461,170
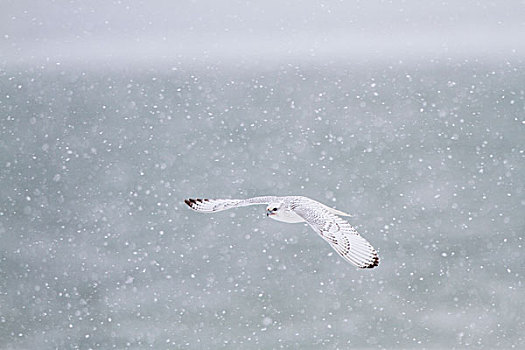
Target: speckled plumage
324,220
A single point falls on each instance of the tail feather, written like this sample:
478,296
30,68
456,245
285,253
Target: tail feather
338,212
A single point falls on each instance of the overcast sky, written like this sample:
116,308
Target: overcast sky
209,30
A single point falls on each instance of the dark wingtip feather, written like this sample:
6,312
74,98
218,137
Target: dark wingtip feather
190,202
374,263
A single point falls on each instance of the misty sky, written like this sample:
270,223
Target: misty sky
207,30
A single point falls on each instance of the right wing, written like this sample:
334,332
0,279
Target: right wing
214,205
340,234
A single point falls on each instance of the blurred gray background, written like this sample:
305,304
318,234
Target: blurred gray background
410,115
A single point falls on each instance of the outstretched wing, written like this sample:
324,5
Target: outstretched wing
339,233
214,205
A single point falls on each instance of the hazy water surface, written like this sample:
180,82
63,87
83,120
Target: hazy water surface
98,250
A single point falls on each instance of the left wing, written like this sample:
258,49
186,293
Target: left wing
214,205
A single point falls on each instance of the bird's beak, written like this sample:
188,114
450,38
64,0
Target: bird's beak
268,212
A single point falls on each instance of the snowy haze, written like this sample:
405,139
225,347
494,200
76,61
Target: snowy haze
147,31
408,115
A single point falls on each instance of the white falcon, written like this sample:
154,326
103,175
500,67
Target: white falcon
324,220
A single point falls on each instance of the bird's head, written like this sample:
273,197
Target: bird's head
273,209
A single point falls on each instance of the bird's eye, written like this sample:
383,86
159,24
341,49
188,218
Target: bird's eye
274,209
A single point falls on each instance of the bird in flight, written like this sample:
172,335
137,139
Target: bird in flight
326,221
